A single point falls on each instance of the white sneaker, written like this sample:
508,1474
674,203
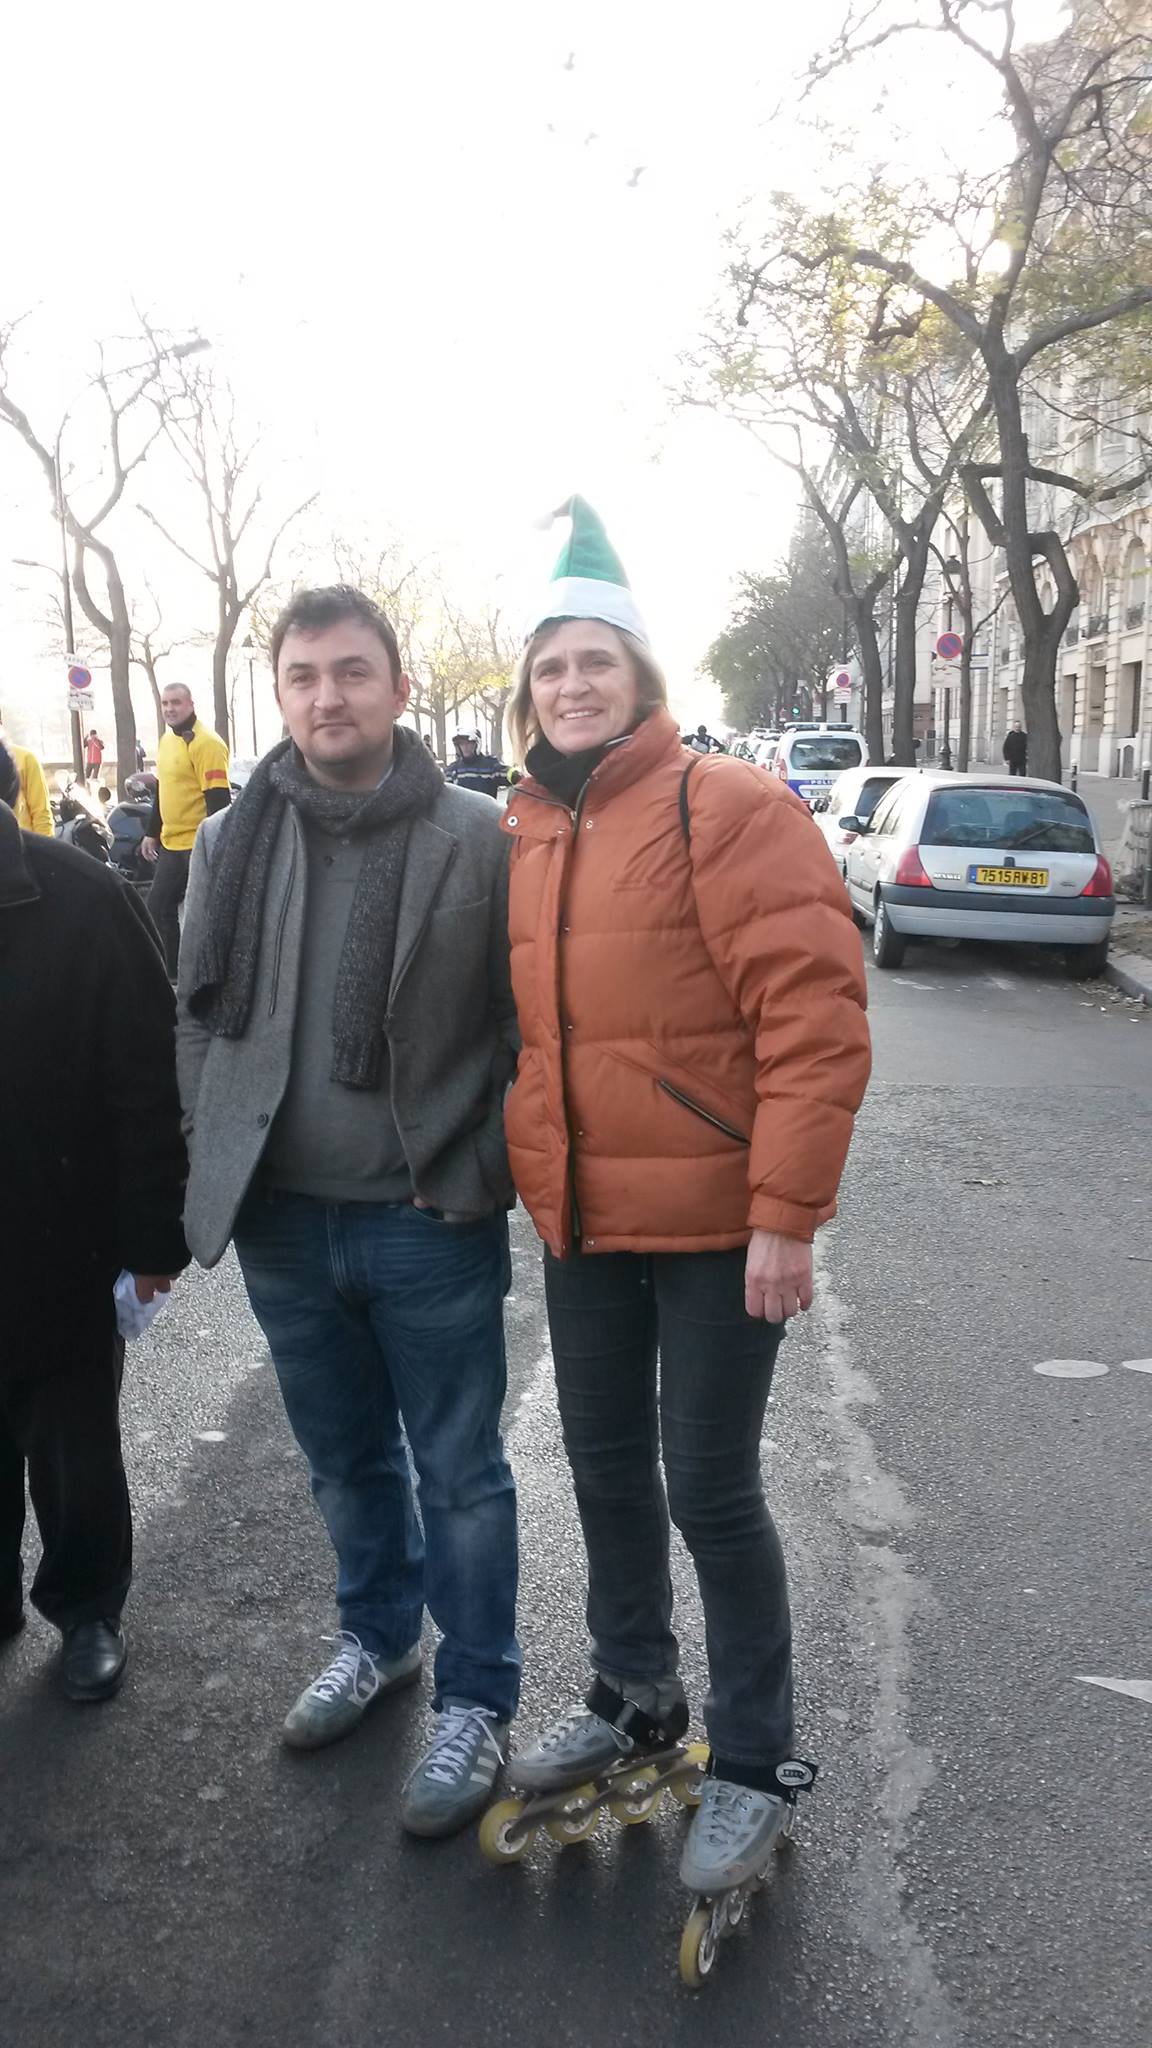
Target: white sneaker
338,1699
453,1780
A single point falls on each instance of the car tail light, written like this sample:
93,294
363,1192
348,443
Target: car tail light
782,769
1101,883
911,873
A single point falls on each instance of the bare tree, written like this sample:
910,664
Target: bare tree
130,428
198,412
1054,250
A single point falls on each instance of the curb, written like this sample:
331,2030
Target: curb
1129,984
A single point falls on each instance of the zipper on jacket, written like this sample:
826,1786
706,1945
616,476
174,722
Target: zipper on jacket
280,924
698,1109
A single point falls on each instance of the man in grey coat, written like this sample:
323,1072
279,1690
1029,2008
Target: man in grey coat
346,1032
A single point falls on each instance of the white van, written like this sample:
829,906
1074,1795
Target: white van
809,762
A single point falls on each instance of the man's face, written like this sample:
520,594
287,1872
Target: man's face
468,748
339,698
176,704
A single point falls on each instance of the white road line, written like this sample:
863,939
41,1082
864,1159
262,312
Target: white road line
1136,1364
1072,1369
1133,1688
1002,981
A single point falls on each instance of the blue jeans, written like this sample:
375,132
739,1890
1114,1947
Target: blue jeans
384,1322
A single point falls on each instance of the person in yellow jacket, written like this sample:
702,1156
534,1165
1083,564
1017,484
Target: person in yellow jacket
33,810
192,783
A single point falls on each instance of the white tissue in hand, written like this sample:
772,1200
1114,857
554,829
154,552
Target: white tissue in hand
133,1316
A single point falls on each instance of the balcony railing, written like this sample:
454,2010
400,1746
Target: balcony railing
1072,634
1097,626
1134,616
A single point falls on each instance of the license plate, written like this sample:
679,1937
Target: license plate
1009,878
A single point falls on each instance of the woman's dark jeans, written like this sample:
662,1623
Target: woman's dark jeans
610,1314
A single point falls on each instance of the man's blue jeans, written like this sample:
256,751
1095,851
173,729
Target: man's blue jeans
383,1322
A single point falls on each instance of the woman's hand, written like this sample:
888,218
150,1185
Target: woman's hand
777,1277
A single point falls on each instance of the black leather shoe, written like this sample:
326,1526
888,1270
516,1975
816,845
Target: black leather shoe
11,1625
94,1657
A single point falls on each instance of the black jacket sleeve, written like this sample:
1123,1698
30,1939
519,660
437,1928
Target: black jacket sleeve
148,1164
216,800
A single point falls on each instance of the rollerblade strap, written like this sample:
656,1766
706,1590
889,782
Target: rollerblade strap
631,1720
785,1779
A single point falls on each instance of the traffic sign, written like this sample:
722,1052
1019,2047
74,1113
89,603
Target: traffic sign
843,679
79,678
82,702
949,646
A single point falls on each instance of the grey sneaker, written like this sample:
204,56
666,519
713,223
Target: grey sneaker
453,1780
731,1838
336,1702
579,1745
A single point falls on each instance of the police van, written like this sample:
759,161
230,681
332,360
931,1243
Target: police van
810,761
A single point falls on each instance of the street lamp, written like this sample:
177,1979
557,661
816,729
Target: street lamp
952,567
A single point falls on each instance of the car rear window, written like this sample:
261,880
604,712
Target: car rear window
1036,821
818,752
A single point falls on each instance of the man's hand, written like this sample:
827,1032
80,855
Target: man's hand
149,1285
777,1277
150,848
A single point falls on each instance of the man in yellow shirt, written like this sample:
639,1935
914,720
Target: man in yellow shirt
192,783
33,810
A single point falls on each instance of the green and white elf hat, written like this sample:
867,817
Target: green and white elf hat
588,581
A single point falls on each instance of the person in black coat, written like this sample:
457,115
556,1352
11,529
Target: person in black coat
86,1041
1016,750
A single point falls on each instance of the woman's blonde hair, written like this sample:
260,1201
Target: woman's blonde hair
520,718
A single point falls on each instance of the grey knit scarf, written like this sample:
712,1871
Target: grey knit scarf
225,975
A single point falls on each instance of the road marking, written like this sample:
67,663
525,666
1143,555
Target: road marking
1136,1364
1072,1369
926,988
1133,1688
211,1436
1002,981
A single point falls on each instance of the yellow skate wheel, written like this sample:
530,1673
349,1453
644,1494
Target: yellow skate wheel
578,1820
697,1948
636,1804
501,1839
688,1788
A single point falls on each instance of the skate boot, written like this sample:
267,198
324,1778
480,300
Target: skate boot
727,1856
606,1755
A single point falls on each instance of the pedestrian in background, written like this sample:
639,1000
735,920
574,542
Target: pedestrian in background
346,1035
691,998
93,754
86,1043
192,784
1016,750
474,769
33,806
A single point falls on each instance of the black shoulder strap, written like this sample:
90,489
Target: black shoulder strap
685,813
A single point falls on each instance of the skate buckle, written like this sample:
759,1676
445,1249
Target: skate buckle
795,1775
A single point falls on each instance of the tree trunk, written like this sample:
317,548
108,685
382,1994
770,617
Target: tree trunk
120,663
872,670
1041,720
226,624
904,669
440,713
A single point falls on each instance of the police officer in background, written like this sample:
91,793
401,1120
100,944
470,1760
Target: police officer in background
475,770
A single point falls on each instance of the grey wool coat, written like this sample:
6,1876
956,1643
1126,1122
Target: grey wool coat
451,1021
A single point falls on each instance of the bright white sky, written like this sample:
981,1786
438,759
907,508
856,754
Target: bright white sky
411,237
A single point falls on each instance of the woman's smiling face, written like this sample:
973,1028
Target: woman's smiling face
585,689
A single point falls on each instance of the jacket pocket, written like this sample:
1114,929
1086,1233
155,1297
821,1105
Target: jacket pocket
706,1115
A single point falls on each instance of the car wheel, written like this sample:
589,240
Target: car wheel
1086,963
887,946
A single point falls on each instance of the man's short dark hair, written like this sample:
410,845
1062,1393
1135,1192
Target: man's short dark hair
312,611
9,778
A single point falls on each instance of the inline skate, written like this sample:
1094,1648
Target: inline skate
727,1857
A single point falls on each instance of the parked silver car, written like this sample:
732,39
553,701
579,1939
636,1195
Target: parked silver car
853,797
982,857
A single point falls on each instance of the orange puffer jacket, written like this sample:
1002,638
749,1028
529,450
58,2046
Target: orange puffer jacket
692,1007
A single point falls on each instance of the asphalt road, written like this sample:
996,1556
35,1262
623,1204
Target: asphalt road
967,1539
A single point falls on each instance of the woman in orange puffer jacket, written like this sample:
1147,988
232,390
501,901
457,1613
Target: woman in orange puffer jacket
691,997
